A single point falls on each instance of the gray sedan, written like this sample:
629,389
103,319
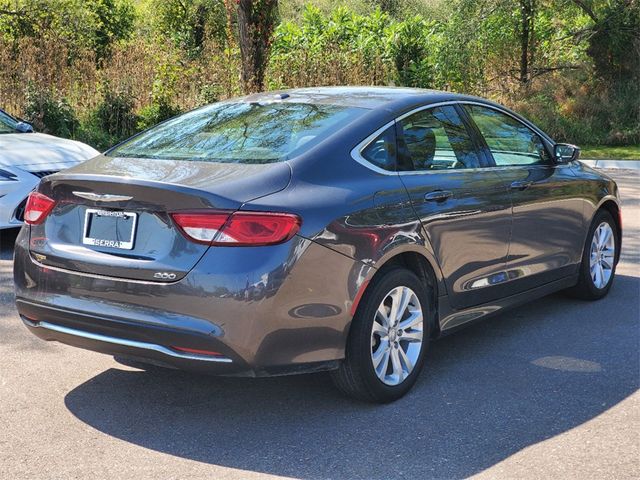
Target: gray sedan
335,229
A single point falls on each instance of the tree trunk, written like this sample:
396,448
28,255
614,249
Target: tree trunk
256,19
527,12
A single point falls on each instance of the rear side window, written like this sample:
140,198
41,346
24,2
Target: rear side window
382,151
437,139
511,142
240,132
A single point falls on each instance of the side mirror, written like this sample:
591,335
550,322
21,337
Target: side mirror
566,153
24,127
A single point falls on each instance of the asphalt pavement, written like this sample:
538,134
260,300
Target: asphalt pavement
547,390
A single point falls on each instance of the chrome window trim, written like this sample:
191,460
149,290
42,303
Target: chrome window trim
356,152
127,343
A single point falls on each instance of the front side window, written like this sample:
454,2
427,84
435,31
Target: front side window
240,132
7,123
382,151
511,142
437,139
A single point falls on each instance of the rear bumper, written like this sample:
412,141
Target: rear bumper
123,338
295,319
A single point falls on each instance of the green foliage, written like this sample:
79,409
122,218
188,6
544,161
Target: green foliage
112,121
162,94
95,25
114,114
615,43
113,21
586,113
101,70
49,112
188,23
209,94
410,43
397,51
630,152
156,113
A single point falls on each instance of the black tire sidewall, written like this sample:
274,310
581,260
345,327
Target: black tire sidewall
359,348
585,273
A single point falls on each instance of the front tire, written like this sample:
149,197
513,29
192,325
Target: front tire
388,339
598,266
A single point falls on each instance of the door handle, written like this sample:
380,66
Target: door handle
438,196
520,185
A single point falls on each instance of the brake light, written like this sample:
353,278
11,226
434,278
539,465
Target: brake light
37,208
238,229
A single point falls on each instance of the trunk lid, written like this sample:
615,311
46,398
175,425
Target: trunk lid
112,215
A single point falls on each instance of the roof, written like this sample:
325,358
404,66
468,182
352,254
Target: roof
363,97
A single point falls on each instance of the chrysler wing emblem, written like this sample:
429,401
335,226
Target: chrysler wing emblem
102,197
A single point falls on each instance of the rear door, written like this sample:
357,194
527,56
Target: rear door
548,231
464,208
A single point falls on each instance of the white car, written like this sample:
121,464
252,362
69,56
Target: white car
26,157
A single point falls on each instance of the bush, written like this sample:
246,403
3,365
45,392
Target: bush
156,113
91,134
114,115
49,112
209,94
573,109
409,44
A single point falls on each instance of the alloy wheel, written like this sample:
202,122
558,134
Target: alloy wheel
396,335
602,255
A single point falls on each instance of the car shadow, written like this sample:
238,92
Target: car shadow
7,240
486,393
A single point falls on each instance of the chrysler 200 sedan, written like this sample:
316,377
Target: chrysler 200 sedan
334,229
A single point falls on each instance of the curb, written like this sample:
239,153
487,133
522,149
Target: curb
625,164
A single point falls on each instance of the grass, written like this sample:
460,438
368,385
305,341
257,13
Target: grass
630,152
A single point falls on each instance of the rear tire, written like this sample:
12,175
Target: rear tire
598,266
388,339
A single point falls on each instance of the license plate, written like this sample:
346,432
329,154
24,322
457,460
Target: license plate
112,229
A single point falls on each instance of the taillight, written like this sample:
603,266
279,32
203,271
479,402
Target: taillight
239,229
37,208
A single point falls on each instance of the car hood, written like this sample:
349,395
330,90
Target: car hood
35,152
234,181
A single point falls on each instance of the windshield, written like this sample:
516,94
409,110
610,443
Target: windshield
240,132
7,123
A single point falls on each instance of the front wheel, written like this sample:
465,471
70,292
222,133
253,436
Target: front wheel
598,266
388,339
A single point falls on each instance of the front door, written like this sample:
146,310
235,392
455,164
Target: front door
548,231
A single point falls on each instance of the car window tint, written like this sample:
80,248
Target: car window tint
7,124
382,151
240,132
510,141
436,139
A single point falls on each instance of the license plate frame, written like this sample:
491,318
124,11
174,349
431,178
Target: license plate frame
102,242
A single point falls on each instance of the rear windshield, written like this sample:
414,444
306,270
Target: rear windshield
240,132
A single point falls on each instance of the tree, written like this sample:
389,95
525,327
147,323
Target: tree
188,22
95,25
527,16
113,22
613,37
256,21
